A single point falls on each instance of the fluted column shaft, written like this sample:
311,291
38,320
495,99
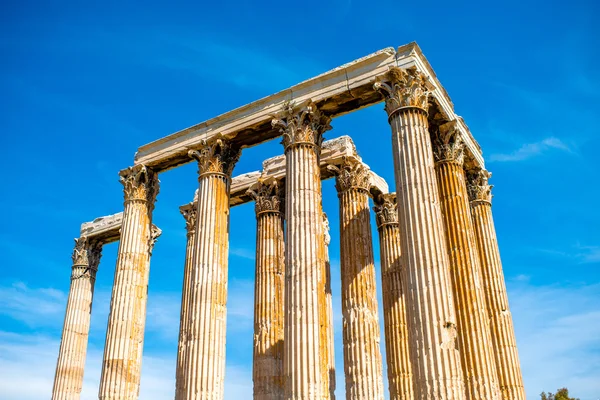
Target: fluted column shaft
475,346
68,380
267,368
328,320
362,355
189,212
204,306
393,293
122,363
435,360
305,353
504,344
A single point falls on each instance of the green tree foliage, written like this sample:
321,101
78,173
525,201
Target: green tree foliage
561,394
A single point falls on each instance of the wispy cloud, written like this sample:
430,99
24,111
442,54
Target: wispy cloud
557,337
530,150
582,254
249,254
36,307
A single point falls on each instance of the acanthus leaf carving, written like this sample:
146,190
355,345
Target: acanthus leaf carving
80,254
403,88
326,228
448,144
86,258
386,209
140,184
216,157
304,124
351,174
478,187
190,213
267,196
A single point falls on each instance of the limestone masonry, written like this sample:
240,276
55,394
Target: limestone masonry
448,328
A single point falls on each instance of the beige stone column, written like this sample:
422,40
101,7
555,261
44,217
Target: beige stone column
122,363
189,212
328,320
68,380
475,346
393,293
362,355
305,354
434,356
267,368
204,303
504,343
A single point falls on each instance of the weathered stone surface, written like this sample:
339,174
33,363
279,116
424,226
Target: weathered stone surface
328,320
475,345
362,355
267,367
502,332
125,334
305,363
204,303
68,380
435,360
104,229
393,288
337,92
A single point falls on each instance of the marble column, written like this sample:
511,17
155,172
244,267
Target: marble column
435,360
504,343
393,293
68,380
189,212
362,355
305,355
475,345
122,363
204,306
328,320
267,367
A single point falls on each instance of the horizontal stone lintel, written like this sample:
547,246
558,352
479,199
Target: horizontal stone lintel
104,229
339,91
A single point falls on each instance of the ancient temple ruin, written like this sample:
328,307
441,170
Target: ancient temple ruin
448,328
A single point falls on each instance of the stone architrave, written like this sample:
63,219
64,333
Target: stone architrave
267,368
393,292
125,334
362,355
435,360
204,305
475,345
305,355
189,212
504,344
328,320
68,380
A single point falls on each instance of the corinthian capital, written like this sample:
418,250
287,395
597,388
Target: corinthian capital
189,212
448,144
386,209
267,196
403,88
86,257
352,174
478,187
139,184
80,254
304,124
216,157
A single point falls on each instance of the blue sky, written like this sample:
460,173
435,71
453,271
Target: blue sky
82,86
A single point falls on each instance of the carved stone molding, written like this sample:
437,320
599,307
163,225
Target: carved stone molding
268,197
216,157
386,210
190,213
80,255
352,174
478,187
448,145
94,254
155,232
86,257
304,124
140,184
403,88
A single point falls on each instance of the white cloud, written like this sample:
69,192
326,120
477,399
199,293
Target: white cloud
530,150
40,307
558,337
